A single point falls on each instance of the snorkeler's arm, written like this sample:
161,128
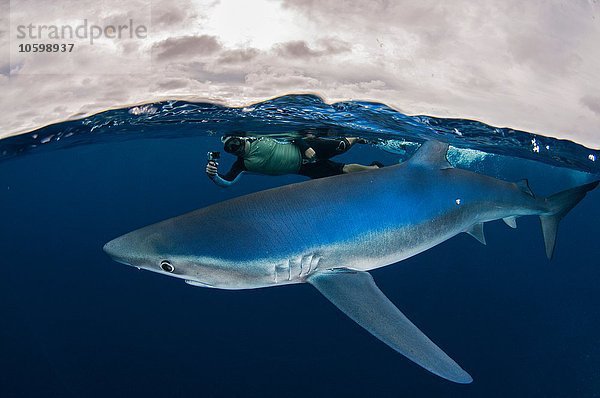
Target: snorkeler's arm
232,176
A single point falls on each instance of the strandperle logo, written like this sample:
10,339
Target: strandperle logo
85,30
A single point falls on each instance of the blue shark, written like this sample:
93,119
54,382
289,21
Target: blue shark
330,232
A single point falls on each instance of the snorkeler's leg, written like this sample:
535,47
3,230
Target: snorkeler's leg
355,140
327,168
354,167
326,148
321,168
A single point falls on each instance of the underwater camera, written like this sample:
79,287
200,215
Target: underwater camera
213,156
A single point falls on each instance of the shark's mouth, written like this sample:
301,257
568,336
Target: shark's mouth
196,283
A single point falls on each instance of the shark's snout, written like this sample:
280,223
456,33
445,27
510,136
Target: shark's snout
116,249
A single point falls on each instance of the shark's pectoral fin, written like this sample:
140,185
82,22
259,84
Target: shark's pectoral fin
357,295
476,231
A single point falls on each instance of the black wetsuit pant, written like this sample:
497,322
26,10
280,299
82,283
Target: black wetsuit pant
324,150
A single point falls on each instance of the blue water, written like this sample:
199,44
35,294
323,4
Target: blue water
77,324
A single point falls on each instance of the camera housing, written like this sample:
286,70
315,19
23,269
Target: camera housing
213,156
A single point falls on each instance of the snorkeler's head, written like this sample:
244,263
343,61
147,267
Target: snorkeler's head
234,145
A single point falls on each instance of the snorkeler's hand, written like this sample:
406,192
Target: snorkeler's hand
310,153
211,168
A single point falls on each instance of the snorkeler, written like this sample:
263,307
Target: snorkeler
309,157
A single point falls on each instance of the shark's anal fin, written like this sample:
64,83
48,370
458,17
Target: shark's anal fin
476,231
356,294
431,154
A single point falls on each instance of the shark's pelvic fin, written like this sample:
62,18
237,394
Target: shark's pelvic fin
511,221
357,295
476,231
431,154
559,205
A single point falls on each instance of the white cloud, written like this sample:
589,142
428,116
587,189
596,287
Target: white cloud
256,23
526,65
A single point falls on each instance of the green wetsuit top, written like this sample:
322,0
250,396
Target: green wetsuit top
268,156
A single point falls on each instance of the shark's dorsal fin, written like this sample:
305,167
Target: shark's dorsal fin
357,295
431,154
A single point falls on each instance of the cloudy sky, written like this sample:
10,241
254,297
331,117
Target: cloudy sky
530,65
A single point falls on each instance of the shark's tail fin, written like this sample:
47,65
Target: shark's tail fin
559,205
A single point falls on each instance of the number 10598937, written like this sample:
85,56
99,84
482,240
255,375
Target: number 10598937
46,48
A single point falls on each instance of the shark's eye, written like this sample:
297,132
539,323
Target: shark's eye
166,266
